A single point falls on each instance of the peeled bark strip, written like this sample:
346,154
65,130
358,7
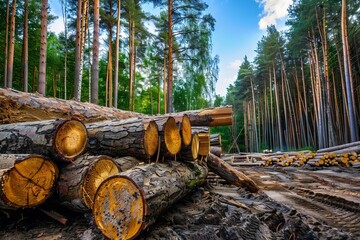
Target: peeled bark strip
16,106
127,203
64,139
80,179
26,180
133,136
215,140
216,150
191,152
230,174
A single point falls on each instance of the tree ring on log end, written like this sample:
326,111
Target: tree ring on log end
70,139
151,138
195,146
119,208
100,170
186,130
172,136
30,182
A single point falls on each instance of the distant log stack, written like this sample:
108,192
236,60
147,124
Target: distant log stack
215,140
127,203
61,139
133,136
80,179
26,181
18,106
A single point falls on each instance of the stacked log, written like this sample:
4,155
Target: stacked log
127,203
59,139
26,180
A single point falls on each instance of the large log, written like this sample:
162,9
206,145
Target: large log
204,139
218,116
216,150
26,181
80,179
127,203
339,147
229,173
120,138
60,139
18,106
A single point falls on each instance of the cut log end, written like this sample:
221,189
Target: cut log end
195,146
119,208
30,182
186,130
70,139
151,138
95,175
172,136
204,144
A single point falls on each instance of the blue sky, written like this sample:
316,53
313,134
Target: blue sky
240,24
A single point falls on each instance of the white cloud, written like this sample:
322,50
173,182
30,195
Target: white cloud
57,26
273,10
235,64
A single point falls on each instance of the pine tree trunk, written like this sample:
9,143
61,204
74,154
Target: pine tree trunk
354,128
145,192
23,107
80,179
59,139
165,84
170,59
131,72
77,87
26,180
43,44
10,62
6,50
116,90
133,136
25,46
95,60
278,111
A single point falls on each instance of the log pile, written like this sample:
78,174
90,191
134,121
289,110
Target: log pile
346,155
97,159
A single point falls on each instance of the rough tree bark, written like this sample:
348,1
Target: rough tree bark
132,136
60,139
17,106
230,174
26,180
215,139
43,44
127,203
80,179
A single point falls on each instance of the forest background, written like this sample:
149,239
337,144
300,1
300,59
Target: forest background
301,91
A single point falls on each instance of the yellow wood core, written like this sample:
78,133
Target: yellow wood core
29,182
71,139
172,136
204,144
119,208
195,146
151,138
186,130
95,175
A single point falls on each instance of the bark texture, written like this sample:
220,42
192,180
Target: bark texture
126,163
128,203
216,150
80,179
134,137
61,139
229,173
215,140
17,106
26,181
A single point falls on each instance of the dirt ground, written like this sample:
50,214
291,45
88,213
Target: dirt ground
294,203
